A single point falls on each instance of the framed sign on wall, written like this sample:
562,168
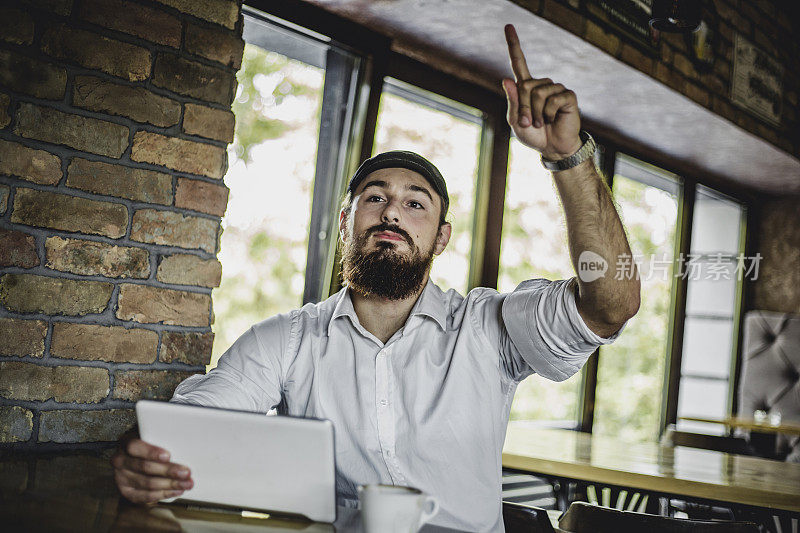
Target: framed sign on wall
757,84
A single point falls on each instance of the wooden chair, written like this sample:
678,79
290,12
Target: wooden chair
582,517
519,518
720,443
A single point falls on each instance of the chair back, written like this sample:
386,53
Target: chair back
582,517
519,518
770,377
736,445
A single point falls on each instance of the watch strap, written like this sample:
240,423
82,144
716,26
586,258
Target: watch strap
585,152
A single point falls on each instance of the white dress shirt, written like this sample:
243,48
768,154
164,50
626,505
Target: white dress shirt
428,408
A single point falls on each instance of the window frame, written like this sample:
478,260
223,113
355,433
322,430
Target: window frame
690,180
380,61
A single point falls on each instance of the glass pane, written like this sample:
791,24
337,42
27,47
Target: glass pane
707,347
712,294
705,398
631,371
271,173
712,284
716,223
534,245
452,144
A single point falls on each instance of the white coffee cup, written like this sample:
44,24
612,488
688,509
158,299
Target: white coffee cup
395,509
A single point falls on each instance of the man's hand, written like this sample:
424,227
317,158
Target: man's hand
144,474
544,115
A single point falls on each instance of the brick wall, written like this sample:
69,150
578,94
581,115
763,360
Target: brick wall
764,23
114,121
778,285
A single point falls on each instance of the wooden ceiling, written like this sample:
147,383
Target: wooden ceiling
465,38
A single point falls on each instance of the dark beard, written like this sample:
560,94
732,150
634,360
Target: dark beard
384,272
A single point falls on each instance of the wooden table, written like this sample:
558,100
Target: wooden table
76,492
751,424
684,472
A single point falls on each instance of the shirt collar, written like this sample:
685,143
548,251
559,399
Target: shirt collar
430,303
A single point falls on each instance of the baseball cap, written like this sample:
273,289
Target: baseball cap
403,159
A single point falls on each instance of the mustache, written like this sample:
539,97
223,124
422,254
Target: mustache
386,227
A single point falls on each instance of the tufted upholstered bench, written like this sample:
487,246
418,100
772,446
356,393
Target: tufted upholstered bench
770,378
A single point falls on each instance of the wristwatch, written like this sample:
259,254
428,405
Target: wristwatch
586,151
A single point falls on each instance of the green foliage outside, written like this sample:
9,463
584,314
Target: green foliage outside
631,371
253,103
263,264
534,245
453,145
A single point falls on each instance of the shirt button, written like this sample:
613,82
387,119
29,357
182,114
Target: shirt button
384,402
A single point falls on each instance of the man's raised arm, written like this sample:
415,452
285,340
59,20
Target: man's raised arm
544,116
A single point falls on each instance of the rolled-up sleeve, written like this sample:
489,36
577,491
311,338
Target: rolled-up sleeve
538,329
249,375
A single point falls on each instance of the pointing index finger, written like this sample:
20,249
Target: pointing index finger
518,63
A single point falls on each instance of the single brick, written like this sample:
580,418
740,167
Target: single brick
5,118
684,65
190,348
193,79
31,76
563,16
151,305
173,229
208,122
637,59
150,24
91,258
714,84
201,196
24,293
15,26
4,192
217,45
16,425
697,93
133,385
32,382
602,39
22,337
80,425
17,249
97,52
29,164
224,12
186,269
82,133
178,154
136,103
124,182
103,343
669,77
69,213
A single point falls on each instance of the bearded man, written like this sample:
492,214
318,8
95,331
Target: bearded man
419,382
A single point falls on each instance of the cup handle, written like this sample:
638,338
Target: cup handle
431,502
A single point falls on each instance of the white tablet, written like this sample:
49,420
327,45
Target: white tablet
246,460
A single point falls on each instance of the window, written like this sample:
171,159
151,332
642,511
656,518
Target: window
631,371
306,103
534,245
284,174
449,135
713,286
